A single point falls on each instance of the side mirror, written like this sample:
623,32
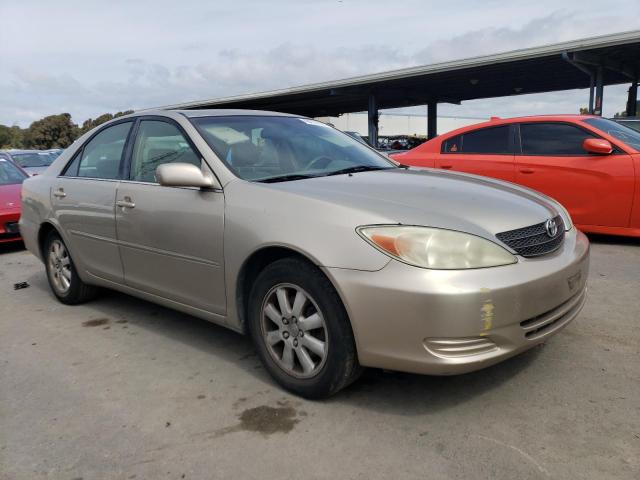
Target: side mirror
184,175
597,145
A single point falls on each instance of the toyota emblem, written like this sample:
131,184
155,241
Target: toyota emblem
551,227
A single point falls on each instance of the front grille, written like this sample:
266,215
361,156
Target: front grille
534,240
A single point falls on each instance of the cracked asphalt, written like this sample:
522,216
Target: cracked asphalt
121,388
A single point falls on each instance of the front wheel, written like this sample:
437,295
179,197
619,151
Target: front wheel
63,278
301,330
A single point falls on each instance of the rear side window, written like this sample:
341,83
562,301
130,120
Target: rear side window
157,143
493,140
552,139
101,156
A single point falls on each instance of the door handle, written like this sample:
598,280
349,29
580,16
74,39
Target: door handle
126,203
446,167
527,170
59,193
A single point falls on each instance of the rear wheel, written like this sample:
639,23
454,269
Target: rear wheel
63,278
301,330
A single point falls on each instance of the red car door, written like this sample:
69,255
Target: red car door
596,189
487,151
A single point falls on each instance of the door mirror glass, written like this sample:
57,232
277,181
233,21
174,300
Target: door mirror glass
597,145
184,175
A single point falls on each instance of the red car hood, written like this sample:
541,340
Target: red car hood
10,197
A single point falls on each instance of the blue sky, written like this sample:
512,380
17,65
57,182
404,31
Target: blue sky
90,57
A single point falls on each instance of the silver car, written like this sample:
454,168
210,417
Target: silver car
329,255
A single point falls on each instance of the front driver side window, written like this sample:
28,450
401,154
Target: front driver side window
553,139
159,142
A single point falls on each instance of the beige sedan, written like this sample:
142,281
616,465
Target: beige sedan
329,255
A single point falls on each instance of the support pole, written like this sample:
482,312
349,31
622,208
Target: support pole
373,121
632,100
591,88
432,119
570,58
599,91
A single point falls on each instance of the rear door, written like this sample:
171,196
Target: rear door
170,237
83,199
487,151
596,189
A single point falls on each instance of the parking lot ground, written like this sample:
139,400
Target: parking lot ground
121,388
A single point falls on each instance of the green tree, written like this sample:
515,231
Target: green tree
11,137
105,117
5,136
54,131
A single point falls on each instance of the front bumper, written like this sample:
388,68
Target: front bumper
9,231
445,322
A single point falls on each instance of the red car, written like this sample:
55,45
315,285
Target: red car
11,178
589,164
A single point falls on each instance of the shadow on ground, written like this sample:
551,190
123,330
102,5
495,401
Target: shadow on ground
613,240
11,247
389,392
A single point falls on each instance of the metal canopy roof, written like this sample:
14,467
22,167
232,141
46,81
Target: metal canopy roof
532,70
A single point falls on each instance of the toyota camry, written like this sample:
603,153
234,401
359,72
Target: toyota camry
331,257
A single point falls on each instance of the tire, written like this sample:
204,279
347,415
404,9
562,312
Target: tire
63,278
306,345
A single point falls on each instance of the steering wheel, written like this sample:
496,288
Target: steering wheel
322,162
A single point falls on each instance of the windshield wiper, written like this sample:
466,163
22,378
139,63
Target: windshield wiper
285,178
359,168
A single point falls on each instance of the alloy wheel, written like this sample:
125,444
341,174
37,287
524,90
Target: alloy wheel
294,330
59,266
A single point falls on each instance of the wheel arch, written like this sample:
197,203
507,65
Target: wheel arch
44,231
258,261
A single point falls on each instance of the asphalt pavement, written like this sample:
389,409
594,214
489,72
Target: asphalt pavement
121,388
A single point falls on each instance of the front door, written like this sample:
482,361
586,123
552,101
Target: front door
596,189
170,237
83,200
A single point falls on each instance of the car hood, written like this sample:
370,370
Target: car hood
10,197
428,197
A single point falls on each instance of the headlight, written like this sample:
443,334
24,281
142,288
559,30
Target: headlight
436,248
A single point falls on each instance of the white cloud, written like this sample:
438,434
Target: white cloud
89,57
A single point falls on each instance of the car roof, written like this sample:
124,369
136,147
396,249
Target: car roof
568,117
497,121
214,112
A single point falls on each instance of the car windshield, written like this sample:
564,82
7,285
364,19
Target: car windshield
34,159
633,124
272,148
10,174
621,132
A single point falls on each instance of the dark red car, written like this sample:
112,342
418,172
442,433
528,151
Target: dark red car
11,178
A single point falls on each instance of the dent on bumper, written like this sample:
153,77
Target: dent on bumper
447,322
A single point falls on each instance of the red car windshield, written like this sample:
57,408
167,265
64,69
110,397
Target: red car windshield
10,174
621,132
